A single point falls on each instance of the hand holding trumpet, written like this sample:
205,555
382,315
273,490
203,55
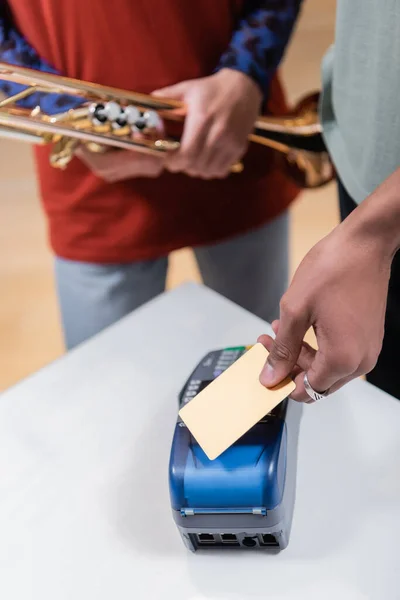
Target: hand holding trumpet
220,113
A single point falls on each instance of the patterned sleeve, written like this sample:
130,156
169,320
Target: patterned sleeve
260,40
15,50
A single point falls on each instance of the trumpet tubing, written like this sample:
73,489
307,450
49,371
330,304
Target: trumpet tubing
112,118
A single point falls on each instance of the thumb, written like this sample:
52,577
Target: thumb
174,92
285,350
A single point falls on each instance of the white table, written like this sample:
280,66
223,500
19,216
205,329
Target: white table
84,503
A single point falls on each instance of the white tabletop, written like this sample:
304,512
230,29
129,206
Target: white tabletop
84,502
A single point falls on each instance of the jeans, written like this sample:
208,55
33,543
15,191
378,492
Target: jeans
251,270
386,374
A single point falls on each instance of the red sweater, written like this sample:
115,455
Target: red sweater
143,45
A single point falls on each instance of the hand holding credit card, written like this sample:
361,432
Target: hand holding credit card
233,403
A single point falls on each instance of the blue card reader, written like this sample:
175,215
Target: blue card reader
244,498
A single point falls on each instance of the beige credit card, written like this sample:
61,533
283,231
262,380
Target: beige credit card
232,404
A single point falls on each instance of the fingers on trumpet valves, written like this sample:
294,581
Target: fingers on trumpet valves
143,122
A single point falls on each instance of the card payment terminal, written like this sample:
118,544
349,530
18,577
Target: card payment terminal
244,498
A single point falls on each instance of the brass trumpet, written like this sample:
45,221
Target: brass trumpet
109,117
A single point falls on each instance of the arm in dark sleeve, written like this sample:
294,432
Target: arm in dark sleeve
15,50
260,40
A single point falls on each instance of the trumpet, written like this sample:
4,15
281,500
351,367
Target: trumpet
107,117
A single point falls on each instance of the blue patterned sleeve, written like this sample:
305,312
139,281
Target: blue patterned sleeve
15,50
260,40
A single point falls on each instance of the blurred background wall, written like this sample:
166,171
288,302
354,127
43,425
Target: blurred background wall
29,325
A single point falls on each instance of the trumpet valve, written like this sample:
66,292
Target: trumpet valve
146,122
118,117
102,113
153,121
132,115
135,119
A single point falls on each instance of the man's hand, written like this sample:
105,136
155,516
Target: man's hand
119,165
340,289
220,114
